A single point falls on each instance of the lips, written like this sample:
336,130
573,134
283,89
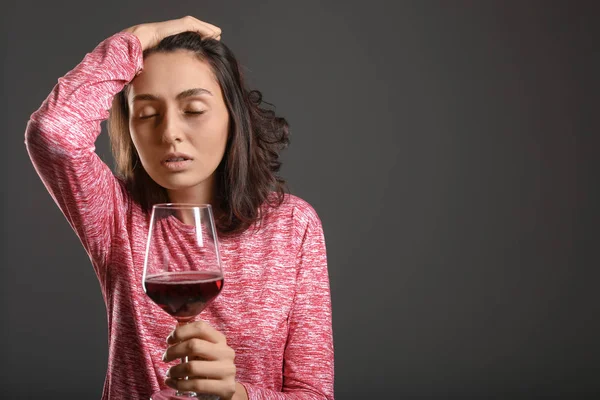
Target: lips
176,157
177,162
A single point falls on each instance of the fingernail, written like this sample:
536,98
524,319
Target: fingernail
164,357
168,373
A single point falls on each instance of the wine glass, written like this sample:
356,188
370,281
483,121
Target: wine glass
182,267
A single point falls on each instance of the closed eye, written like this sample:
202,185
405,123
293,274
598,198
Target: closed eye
186,112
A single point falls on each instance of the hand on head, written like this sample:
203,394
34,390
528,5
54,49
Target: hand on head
150,34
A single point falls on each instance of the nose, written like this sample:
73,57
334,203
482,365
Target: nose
171,132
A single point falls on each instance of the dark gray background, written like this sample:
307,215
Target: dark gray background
450,148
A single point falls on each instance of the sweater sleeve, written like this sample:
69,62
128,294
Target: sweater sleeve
308,371
60,139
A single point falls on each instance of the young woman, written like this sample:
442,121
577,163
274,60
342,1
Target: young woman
185,129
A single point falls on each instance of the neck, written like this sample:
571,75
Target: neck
203,193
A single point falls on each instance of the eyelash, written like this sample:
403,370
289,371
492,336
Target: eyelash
186,112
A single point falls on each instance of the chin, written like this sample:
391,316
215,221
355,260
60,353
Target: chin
180,182
177,185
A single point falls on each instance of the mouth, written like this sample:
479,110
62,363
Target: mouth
176,161
176,157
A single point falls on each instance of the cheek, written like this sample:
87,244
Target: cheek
211,138
133,133
140,142
135,139
140,132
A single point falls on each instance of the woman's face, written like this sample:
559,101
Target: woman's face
178,120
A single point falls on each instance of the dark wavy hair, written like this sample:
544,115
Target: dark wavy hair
247,178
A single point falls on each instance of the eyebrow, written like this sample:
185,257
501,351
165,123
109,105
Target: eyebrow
180,96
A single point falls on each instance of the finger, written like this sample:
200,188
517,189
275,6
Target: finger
199,348
202,369
211,386
203,28
173,27
192,348
216,30
197,329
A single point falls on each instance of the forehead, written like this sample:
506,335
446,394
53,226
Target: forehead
167,74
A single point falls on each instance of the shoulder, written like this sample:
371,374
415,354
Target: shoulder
294,208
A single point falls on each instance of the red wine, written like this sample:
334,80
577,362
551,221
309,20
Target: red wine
183,294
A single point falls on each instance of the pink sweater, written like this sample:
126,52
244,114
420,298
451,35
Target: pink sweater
275,306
